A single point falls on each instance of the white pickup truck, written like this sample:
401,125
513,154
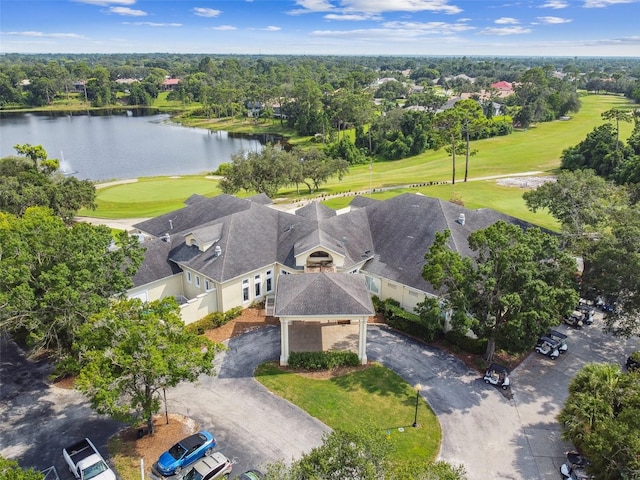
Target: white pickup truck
86,463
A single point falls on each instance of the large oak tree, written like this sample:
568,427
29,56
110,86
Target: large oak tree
518,284
131,350
54,277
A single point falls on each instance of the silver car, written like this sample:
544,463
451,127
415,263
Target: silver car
208,468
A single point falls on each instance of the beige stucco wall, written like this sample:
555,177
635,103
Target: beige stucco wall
407,297
167,287
231,292
199,307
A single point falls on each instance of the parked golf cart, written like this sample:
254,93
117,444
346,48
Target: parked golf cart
497,375
560,338
574,320
587,312
549,347
575,467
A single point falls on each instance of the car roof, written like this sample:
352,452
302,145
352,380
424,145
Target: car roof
206,464
498,368
549,340
555,333
193,440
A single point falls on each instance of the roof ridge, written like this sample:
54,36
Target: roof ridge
446,220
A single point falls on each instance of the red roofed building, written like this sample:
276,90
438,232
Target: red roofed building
170,83
502,86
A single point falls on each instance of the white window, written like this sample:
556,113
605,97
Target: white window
207,285
188,276
245,290
198,281
269,281
373,285
257,285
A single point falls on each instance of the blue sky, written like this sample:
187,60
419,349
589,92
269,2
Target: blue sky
317,27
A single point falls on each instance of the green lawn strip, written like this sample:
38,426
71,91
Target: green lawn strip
375,397
149,197
476,194
537,149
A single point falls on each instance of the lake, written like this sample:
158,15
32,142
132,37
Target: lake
126,145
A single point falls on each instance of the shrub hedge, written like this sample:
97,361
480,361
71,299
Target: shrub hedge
323,360
213,320
411,324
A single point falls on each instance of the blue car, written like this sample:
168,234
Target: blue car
185,452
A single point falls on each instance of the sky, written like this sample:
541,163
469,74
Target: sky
581,28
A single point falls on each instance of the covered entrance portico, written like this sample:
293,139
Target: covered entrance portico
323,312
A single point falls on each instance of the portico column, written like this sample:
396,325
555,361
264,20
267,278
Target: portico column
284,342
362,341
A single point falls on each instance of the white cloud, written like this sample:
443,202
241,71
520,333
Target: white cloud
152,24
553,20
380,6
604,3
106,3
270,28
127,11
355,17
555,4
506,31
430,28
507,21
355,7
224,27
206,12
34,34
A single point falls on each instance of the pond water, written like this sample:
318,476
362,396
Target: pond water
121,145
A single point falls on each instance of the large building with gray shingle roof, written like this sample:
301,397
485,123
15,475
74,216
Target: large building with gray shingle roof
223,252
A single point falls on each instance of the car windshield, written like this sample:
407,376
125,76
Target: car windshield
94,470
192,475
177,451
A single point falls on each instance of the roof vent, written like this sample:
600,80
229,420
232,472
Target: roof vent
166,237
461,219
217,251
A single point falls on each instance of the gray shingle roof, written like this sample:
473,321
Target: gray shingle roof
156,263
316,211
322,294
389,238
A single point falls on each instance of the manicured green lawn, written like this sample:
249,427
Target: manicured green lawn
535,150
150,197
374,397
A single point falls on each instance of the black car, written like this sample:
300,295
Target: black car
633,361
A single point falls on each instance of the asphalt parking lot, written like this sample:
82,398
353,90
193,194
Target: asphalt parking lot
492,434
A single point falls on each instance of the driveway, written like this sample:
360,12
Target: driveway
492,434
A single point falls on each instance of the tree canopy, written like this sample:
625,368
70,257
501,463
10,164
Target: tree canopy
518,284
53,277
131,350
34,180
10,470
601,417
363,455
272,168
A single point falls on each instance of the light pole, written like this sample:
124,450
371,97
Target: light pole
418,387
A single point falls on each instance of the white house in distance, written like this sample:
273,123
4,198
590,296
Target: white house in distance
223,252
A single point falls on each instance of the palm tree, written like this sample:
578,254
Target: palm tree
619,116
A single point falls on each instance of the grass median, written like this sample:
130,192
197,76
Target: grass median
374,397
